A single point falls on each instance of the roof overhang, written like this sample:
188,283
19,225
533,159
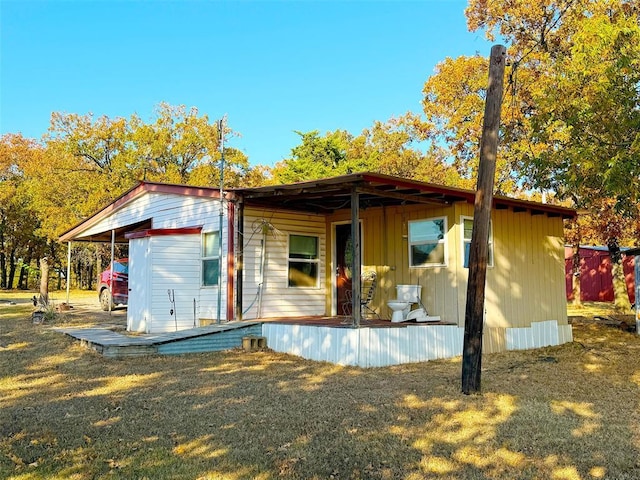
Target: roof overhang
315,196
376,190
76,233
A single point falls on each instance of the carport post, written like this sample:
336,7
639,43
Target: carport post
113,243
68,269
636,271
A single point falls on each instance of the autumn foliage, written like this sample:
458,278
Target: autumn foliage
570,133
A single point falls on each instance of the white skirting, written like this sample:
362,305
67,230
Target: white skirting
366,347
381,347
540,334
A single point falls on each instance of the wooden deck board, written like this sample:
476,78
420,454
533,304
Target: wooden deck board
112,343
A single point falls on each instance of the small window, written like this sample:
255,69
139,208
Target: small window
304,261
427,246
210,259
467,229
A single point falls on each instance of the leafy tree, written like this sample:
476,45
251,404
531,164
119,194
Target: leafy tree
392,148
317,157
571,114
19,241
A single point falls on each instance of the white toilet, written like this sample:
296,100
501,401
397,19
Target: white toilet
406,296
401,307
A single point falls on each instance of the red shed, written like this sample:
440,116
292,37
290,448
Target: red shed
596,281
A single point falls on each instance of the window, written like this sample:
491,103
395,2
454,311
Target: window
303,261
210,259
467,229
427,246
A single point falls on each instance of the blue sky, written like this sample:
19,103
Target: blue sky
272,67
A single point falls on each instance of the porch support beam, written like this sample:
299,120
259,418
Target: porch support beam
355,255
416,198
113,245
240,261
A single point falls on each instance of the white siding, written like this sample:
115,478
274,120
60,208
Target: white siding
176,260
540,334
139,305
175,267
165,210
278,300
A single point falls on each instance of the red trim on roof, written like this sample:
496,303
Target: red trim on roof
158,232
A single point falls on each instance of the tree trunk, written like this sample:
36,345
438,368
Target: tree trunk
23,277
44,281
3,259
620,295
575,276
12,269
3,270
91,277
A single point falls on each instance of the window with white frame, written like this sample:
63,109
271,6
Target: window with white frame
210,259
304,261
427,246
467,230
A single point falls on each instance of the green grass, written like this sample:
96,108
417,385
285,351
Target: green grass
567,412
591,309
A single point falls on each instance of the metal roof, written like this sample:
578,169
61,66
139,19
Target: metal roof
376,190
325,195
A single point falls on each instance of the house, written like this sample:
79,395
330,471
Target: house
290,252
596,280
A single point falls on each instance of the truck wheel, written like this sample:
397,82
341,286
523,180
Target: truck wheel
104,300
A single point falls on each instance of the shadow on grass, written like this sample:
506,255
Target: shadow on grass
567,412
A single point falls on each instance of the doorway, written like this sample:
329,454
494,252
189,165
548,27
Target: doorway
343,267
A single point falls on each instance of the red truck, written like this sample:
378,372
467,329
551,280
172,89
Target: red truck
119,294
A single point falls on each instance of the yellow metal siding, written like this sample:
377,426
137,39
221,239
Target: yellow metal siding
524,285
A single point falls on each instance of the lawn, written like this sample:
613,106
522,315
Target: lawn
568,412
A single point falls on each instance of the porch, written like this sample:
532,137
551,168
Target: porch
375,343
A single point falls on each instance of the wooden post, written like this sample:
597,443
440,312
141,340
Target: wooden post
479,249
355,268
240,261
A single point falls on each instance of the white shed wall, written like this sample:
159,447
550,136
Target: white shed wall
139,307
173,262
175,267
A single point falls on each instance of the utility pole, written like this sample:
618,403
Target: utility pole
479,250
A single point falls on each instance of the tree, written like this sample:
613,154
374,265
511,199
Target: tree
317,157
19,240
391,148
181,146
571,115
